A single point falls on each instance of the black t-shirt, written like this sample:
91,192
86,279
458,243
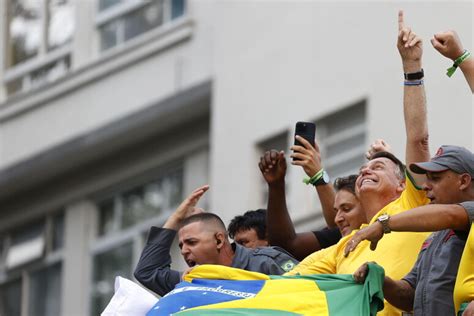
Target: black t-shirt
328,236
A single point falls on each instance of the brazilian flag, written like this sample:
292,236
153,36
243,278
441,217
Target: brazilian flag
219,290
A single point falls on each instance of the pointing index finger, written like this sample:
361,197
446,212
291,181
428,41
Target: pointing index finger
401,23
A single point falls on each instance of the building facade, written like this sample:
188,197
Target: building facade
112,111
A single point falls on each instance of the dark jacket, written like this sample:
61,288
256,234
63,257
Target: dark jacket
154,272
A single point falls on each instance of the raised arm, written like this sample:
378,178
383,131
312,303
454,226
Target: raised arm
410,48
153,269
449,45
309,158
280,229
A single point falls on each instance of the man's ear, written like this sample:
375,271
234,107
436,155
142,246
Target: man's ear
465,181
401,186
220,238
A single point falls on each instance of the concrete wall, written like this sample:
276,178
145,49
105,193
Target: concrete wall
108,87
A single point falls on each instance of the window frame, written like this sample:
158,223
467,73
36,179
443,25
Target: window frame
119,11
23,272
25,69
136,233
327,139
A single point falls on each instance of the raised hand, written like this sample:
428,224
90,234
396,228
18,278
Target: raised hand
377,146
273,166
308,155
448,44
409,46
186,208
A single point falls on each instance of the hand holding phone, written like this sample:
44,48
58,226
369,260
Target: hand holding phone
307,130
306,152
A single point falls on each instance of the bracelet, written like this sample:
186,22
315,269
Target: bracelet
314,178
413,82
458,62
414,75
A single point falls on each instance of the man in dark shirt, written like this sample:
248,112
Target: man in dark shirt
249,229
203,239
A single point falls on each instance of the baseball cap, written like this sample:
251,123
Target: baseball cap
455,158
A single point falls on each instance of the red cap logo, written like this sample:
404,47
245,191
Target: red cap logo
439,152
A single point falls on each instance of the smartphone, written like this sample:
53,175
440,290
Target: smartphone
307,130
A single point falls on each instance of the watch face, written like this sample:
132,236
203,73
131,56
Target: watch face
326,177
383,217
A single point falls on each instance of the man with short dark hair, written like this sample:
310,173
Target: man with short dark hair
250,229
203,239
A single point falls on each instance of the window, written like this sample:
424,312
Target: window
26,245
31,265
108,265
45,291
123,222
342,140
140,203
120,20
39,34
9,294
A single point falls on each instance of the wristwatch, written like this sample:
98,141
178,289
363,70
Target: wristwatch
383,219
415,75
324,179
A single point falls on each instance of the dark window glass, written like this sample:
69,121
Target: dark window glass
106,266
106,217
10,298
143,19
45,291
105,4
141,203
58,232
177,8
110,34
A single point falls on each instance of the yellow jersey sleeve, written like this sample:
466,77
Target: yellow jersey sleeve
413,196
319,262
464,288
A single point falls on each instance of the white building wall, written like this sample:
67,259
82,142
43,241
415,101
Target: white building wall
108,87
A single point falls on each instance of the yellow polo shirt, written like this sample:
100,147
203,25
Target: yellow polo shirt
396,252
464,288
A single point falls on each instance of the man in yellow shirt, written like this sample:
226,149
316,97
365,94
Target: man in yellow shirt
398,252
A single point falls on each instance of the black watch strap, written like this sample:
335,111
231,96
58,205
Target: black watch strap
415,75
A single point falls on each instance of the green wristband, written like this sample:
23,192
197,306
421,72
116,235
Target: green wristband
457,62
314,178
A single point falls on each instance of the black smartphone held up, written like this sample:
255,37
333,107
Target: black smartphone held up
307,130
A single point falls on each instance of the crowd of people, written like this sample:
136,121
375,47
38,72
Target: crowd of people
386,213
